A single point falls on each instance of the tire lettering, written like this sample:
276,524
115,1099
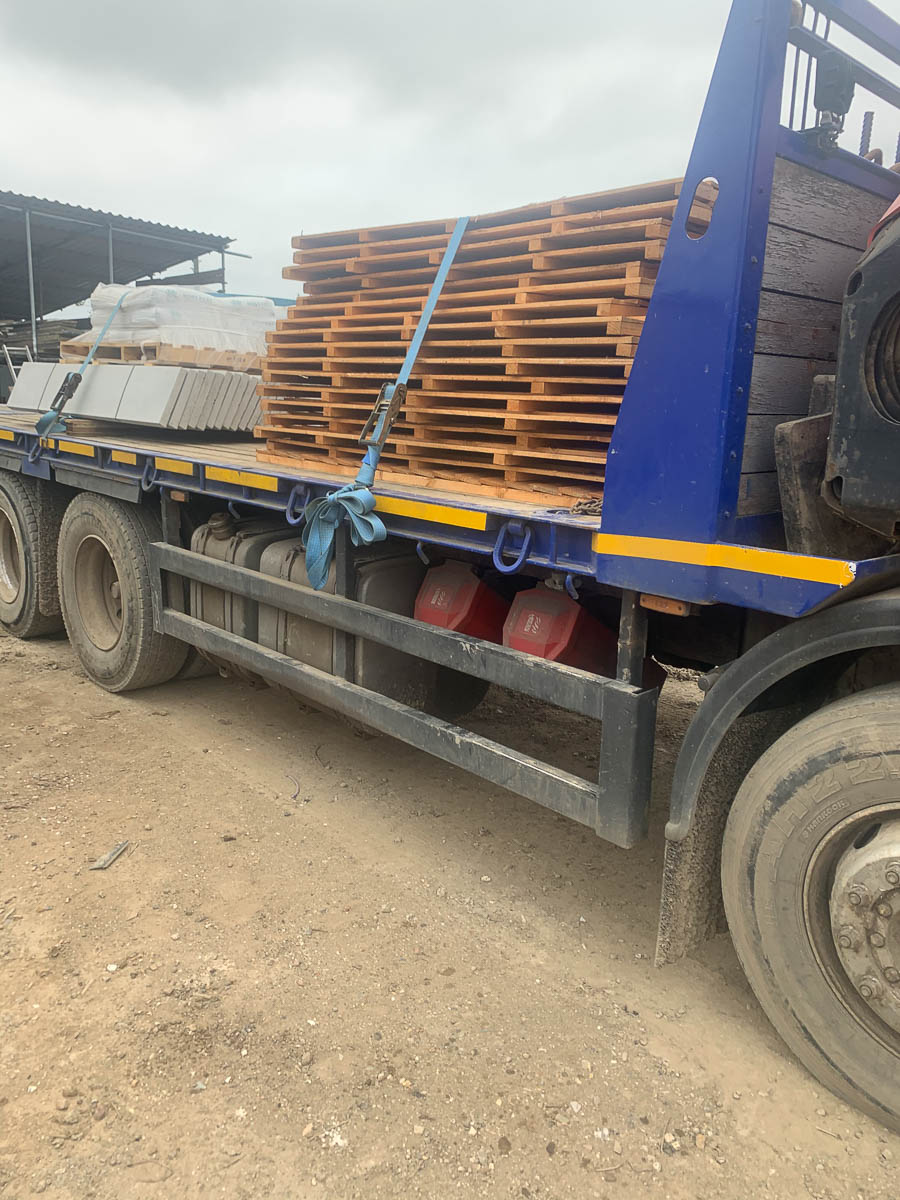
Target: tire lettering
865,770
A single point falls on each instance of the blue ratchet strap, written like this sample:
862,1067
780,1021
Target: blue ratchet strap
355,500
52,421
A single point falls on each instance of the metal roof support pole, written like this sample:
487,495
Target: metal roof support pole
30,259
222,284
109,249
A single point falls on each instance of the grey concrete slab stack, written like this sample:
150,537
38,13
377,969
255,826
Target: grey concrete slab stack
143,394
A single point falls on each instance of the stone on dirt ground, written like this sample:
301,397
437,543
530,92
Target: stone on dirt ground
328,965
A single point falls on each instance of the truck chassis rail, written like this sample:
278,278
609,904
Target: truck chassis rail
616,807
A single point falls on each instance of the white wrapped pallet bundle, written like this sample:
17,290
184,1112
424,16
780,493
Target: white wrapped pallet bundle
181,316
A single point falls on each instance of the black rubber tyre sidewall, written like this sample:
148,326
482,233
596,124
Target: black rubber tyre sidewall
141,657
840,761
22,616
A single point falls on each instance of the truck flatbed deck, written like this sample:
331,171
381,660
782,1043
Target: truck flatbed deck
118,463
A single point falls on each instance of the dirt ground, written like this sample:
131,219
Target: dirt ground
328,965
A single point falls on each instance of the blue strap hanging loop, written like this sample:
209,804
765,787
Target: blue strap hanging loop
355,501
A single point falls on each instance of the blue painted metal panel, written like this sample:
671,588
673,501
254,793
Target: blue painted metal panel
867,22
715,585
674,461
721,585
840,164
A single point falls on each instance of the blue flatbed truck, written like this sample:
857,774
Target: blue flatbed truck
749,530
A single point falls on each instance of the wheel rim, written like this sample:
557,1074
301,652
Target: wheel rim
98,593
851,901
10,559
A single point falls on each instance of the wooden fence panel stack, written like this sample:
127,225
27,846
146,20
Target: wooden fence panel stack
516,388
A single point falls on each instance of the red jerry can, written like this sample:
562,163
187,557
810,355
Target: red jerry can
550,624
453,597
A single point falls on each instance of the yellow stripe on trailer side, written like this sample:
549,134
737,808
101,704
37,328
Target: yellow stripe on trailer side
267,483
76,448
7,435
176,466
124,456
442,514
736,558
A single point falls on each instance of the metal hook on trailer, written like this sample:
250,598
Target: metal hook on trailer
36,451
422,554
571,585
149,476
517,529
294,510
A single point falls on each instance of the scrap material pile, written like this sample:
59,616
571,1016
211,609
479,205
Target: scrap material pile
517,386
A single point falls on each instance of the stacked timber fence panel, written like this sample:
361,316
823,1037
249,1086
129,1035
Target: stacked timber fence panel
517,386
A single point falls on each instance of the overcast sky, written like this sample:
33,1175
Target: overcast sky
269,118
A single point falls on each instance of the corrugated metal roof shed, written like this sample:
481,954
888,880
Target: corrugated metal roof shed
72,247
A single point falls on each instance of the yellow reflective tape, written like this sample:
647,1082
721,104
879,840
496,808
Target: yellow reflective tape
124,456
7,435
176,465
77,448
48,443
443,514
736,558
268,483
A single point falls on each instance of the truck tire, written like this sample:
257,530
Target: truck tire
28,536
811,882
104,588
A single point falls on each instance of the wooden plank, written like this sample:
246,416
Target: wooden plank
667,189
781,384
553,309
590,256
373,233
601,235
633,212
536,349
805,265
549,366
812,202
569,328
759,442
758,494
797,325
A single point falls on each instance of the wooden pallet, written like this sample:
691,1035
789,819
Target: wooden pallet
162,355
517,386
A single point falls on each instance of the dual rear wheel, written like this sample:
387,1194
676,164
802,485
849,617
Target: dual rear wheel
29,526
105,595
84,566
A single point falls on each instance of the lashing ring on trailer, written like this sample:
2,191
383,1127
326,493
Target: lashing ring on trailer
35,452
517,529
296,504
149,476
